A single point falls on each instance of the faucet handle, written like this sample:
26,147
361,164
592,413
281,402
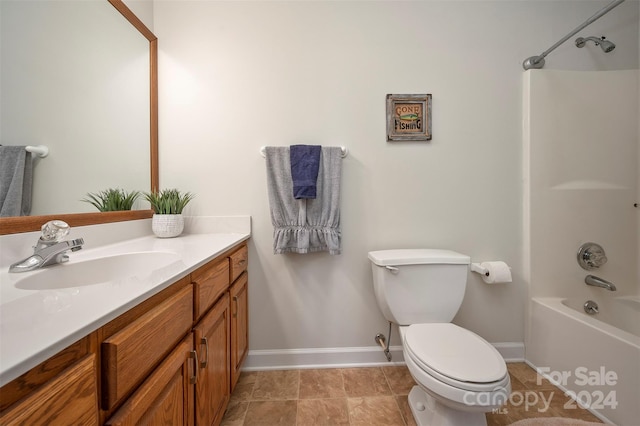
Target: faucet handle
591,256
54,231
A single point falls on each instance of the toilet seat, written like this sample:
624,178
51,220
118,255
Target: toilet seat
455,356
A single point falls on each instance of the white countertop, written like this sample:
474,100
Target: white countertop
37,324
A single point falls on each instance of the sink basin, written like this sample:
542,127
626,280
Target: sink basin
131,266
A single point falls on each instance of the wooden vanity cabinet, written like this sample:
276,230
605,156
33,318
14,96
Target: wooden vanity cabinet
173,359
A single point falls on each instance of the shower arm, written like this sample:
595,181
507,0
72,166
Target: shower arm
538,61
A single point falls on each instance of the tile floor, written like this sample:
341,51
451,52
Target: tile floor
372,396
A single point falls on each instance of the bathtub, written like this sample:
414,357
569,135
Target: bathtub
596,362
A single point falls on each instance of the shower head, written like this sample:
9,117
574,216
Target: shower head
604,44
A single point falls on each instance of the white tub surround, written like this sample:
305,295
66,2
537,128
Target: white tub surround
595,361
580,185
36,324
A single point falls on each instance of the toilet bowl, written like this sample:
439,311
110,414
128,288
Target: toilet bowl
459,375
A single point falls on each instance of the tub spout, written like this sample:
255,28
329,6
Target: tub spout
599,282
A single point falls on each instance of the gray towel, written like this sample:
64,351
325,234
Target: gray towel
16,181
304,225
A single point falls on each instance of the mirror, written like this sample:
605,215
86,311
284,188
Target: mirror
64,100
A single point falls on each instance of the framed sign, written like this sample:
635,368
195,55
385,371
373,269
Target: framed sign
408,117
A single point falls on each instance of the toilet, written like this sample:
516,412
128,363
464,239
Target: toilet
459,375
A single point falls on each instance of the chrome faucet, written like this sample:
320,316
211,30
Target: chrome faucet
49,249
599,282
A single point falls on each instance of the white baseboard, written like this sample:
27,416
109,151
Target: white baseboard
366,356
296,359
511,351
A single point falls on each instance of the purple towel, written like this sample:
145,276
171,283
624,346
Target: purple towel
305,162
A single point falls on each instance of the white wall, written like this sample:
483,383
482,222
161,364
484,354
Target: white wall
238,75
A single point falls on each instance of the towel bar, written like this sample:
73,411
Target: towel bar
344,149
39,150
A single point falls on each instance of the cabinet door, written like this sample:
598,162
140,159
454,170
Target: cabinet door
239,326
212,344
69,398
166,396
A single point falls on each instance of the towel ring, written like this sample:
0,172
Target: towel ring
344,150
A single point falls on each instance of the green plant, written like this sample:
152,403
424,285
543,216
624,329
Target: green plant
168,201
112,199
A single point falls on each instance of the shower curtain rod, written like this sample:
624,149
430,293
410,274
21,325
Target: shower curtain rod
537,62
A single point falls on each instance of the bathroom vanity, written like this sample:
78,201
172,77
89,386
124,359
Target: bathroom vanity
162,349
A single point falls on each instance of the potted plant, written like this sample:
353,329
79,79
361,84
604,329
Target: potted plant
112,199
167,206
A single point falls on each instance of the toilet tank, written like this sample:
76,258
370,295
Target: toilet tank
414,286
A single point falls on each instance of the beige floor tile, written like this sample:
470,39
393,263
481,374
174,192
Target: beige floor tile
524,411
271,413
371,396
405,410
516,385
242,392
365,382
374,411
276,385
235,413
399,379
316,384
528,376
325,412
247,377
565,406
498,419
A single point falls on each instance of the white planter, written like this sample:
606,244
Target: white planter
167,225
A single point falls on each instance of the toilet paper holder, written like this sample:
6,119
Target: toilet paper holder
475,267
493,272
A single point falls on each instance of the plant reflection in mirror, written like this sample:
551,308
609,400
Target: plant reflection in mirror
112,199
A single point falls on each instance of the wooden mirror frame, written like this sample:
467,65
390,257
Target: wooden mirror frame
15,225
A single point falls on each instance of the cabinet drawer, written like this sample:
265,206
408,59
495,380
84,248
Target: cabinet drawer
209,282
238,262
24,385
130,355
69,398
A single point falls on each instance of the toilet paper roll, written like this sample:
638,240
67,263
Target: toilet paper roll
499,272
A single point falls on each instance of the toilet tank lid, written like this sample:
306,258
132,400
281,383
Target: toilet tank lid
417,257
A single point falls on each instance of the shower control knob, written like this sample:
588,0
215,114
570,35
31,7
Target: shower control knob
591,256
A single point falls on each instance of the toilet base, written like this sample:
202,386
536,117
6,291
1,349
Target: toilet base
427,411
